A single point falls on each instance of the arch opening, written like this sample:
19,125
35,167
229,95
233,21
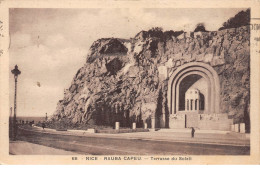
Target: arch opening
190,82
194,75
193,87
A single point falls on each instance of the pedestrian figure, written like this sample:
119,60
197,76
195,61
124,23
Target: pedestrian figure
192,132
43,125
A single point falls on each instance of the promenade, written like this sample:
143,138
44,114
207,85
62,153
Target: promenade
35,140
171,135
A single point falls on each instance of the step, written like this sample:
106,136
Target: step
208,134
187,130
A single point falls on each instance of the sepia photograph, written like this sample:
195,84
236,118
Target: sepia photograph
82,84
130,84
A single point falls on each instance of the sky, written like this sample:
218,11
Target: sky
50,45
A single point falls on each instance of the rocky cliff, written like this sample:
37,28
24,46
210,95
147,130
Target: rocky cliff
121,79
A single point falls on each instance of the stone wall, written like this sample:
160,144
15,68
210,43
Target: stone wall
126,80
204,121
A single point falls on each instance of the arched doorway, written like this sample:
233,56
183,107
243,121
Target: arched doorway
193,89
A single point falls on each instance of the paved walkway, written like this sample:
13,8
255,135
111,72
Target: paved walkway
227,138
26,148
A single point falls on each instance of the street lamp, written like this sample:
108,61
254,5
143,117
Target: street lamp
46,118
16,72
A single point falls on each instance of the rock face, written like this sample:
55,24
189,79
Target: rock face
126,80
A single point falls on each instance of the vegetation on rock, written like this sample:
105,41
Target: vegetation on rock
200,27
240,19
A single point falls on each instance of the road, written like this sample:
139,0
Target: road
114,146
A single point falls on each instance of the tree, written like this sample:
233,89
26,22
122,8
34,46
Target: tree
156,32
200,27
240,19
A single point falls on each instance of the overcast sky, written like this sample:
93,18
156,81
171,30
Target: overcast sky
50,45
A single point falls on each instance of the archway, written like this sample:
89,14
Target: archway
189,74
189,84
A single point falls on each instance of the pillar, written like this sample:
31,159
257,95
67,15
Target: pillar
186,104
237,128
242,128
162,120
117,125
198,104
145,125
153,122
134,126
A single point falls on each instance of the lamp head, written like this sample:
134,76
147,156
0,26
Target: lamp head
16,71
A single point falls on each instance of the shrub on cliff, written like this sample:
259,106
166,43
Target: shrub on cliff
240,19
200,27
156,32
170,34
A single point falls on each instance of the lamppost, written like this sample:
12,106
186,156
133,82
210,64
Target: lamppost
46,118
11,109
16,72
10,123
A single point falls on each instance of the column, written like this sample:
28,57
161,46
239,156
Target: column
145,125
185,104
117,126
163,119
134,126
242,127
198,104
153,122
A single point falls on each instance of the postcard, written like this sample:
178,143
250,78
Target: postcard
129,82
